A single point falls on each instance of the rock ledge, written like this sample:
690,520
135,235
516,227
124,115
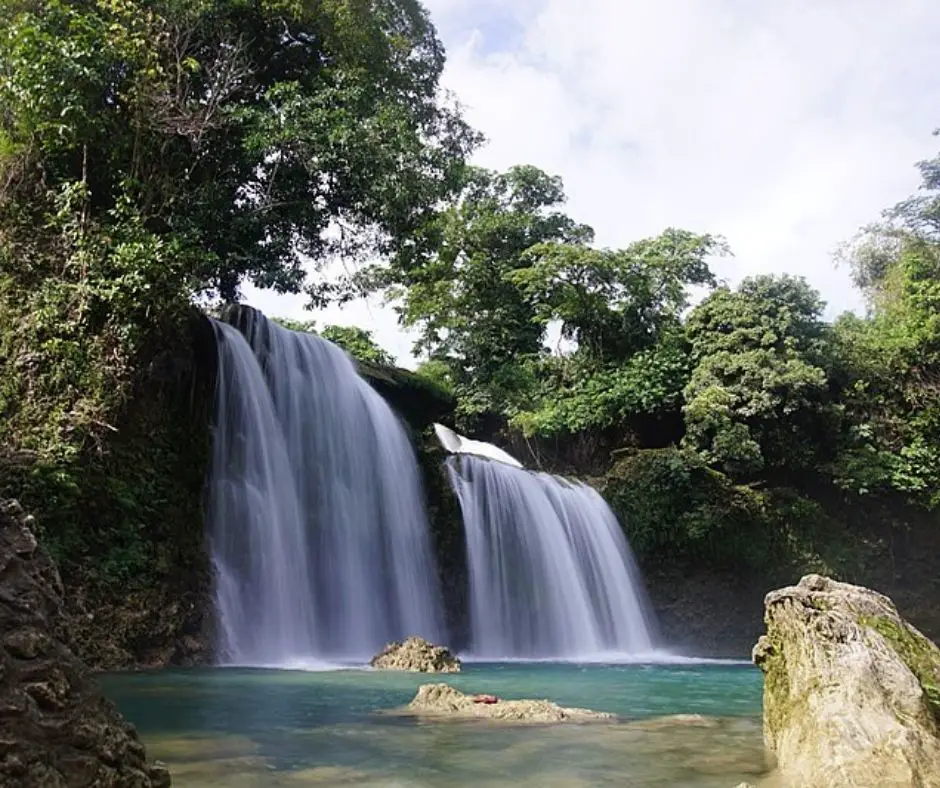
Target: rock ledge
851,690
416,655
442,700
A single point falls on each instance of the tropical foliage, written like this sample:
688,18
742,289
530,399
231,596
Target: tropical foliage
155,154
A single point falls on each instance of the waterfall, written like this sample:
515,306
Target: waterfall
551,573
316,525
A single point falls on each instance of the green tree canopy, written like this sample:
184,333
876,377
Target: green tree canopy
920,214
243,130
462,298
156,150
455,287
359,343
892,363
892,359
622,308
758,395
616,302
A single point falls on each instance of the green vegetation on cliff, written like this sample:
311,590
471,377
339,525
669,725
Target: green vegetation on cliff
748,432
154,153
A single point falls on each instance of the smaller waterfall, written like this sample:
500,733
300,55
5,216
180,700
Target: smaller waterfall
551,573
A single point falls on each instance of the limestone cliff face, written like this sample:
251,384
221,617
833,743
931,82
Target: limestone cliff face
851,690
56,729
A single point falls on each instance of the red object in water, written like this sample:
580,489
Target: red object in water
485,699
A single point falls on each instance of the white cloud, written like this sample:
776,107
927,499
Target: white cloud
784,126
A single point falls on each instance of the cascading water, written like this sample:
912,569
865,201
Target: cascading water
551,573
316,525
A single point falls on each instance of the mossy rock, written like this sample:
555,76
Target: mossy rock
418,400
850,689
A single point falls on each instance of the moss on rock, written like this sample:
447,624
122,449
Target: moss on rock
919,654
849,689
419,400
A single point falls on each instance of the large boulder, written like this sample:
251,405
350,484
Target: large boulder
851,690
56,728
442,700
416,655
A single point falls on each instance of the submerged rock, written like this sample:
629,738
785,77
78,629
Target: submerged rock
444,700
674,721
416,655
56,728
851,690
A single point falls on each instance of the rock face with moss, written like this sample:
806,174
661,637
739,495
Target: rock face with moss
56,727
120,512
416,655
851,690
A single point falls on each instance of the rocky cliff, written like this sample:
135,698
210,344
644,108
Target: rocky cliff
851,690
121,516
56,728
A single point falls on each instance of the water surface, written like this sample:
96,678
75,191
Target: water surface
265,728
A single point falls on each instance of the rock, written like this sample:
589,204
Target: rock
168,624
56,728
443,700
851,690
416,655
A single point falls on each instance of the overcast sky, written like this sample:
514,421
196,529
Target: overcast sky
783,126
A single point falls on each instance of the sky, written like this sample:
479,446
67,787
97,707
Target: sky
783,126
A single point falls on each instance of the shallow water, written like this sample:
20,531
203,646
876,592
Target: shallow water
233,727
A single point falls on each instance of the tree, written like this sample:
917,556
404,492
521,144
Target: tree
615,303
302,326
892,365
920,214
458,291
758,396
155,151
622,309
577,395
243,131
892,360
359,343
